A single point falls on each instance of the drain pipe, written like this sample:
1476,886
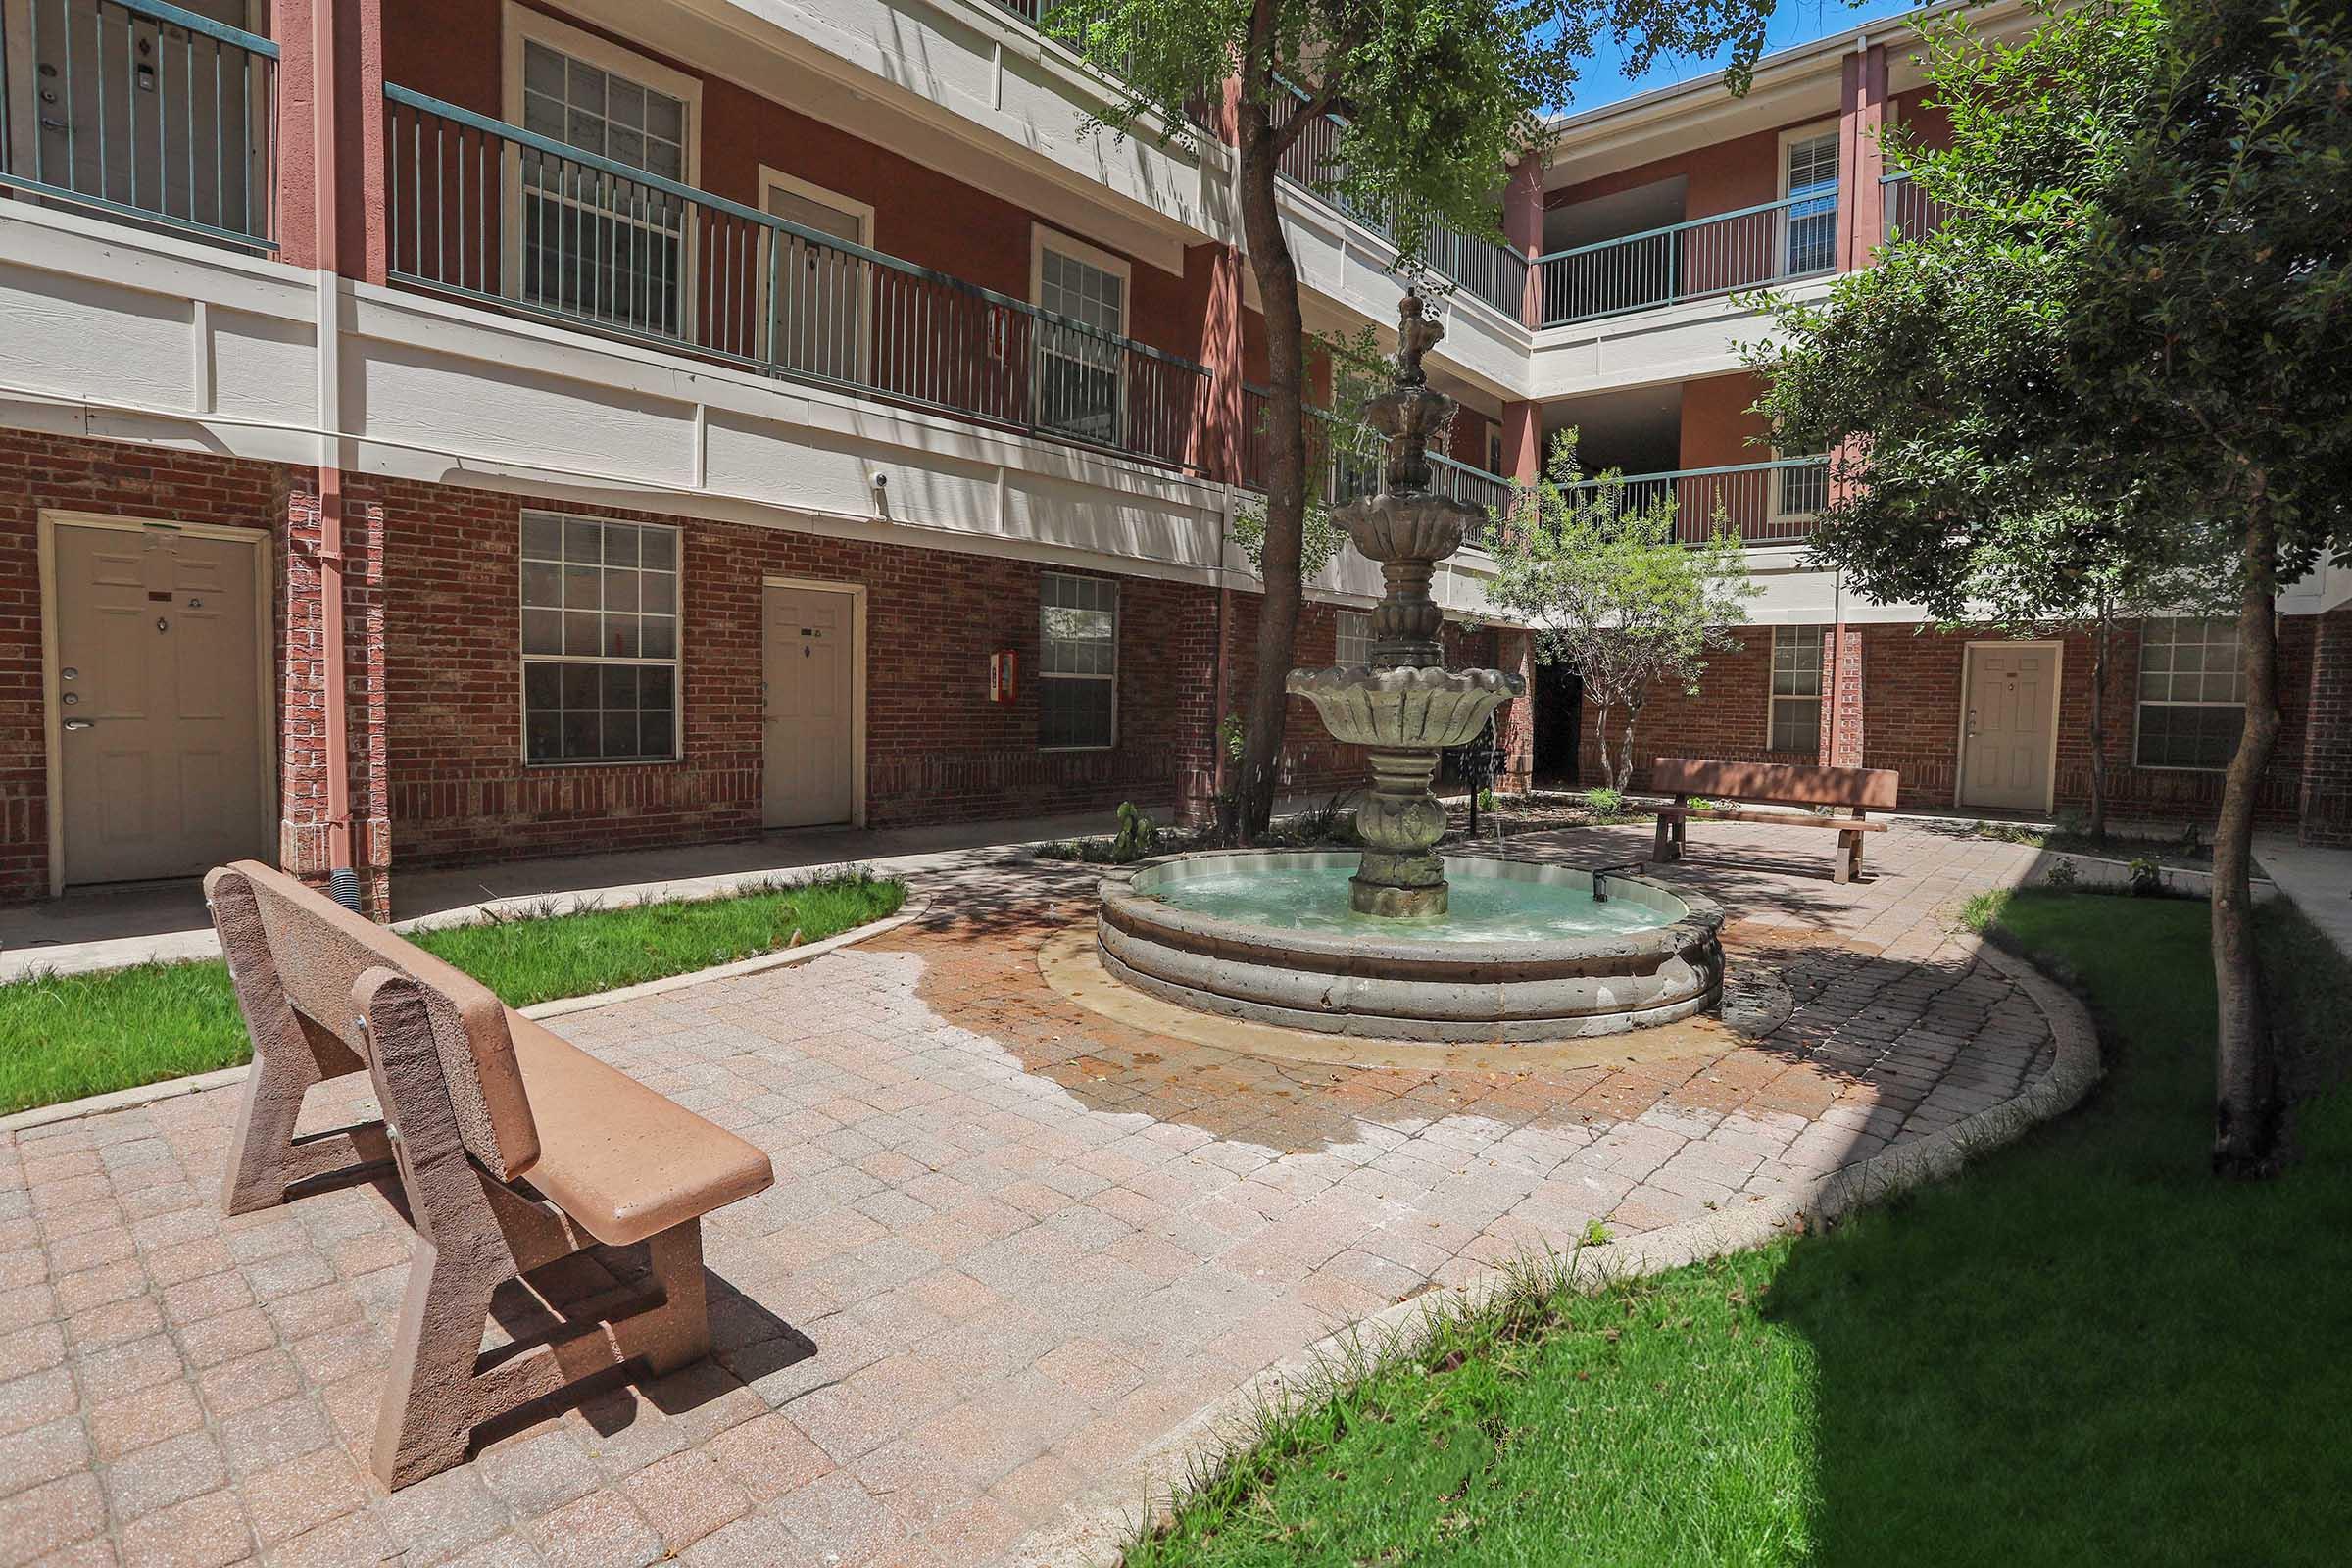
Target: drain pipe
343,880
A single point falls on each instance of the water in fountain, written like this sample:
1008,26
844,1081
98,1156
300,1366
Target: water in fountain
1404,706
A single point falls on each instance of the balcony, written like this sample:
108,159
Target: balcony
1777,242
488,211
1910,212
1776,503
1352,471
143,111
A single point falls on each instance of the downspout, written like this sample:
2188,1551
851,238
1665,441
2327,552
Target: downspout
343,880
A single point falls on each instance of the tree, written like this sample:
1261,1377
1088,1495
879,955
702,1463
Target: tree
1433,100
2120,357
1599,572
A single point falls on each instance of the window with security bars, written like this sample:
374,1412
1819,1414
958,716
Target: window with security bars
1795,719
1078,372
2192,693
1801,490
594,243
1078,662
1811,220
1354,642
600,639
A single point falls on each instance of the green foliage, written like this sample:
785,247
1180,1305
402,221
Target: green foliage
1230,735
2063,873
1596,1234
2148,879
63,1036
1605,802
1139,835
1486,800
1613,594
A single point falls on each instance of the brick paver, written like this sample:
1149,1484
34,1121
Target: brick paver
1011,1242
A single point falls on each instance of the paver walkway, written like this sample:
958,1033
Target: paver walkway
1010,1244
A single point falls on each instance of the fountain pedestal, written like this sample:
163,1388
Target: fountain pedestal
1403,707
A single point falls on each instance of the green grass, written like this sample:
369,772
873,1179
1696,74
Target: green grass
2082,1350
65,1036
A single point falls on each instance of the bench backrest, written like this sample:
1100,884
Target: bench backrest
317,950
1795,783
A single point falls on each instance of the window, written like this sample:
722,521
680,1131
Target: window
1796,720
2192,693
594,244
1078,374
1078,664
1355,638
1800,491
600,639
1809,175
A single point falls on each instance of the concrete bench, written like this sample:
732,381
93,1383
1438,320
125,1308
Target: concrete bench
1852,792
517,1150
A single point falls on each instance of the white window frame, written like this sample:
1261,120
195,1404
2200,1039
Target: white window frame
519,26
1788,139
1042,239
1117,606
772,180
1779,476
1773,697
2140,704
1342,622
675,662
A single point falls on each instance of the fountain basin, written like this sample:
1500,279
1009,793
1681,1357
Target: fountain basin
1525,953
1407,709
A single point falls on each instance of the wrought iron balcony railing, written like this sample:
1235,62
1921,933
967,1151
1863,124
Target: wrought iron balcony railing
1909,212
1776,242
142,111
1764,502
490,212
1354,469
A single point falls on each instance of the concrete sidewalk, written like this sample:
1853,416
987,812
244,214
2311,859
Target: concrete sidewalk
2320,881
167,921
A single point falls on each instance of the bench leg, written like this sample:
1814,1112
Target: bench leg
431,1402
1661,845
1849,856
677,1333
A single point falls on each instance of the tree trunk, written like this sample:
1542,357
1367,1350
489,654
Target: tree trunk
2248,1115
1600,728
1285,480
1624,780
2098,728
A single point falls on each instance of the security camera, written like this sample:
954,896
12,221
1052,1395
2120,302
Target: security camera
881,481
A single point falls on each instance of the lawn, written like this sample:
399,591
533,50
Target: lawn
65,1036
2085,1350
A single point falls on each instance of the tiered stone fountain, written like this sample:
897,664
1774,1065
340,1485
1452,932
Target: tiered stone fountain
1406,708
1481,949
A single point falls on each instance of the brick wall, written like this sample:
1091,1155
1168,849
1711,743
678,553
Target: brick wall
1911,690
2327,794
937,749
39,473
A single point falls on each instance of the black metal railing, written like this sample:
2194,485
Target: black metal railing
489,212
1909,213
142,111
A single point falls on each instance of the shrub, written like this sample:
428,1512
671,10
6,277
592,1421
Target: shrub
1605,802
2148,879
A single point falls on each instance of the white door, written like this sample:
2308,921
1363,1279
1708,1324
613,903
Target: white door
821,321
2011,697
158,693
810,641
143,114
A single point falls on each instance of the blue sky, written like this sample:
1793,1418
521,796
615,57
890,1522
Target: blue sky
1794,21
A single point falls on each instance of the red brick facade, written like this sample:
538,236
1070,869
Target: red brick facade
1909,720
2327,804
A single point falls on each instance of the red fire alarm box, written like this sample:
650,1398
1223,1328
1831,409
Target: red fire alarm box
1003,675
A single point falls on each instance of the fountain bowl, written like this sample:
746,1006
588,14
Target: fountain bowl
1405,709
1526,952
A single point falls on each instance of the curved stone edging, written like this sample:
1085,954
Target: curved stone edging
221,1077
1096,1535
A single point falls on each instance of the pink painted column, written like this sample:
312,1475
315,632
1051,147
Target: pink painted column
361,245
1861,115
1523,227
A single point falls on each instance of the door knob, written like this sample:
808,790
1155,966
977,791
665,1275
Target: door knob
81,723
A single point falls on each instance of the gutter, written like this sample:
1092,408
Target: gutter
343,880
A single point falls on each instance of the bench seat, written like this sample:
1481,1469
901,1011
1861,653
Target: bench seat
622,1160
1849,794
1844,824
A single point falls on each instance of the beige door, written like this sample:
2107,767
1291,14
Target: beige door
2011,697
820,322
158,693
810,646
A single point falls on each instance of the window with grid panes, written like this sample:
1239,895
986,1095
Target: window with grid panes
2192,693
1078,662
595,244
1078,372
1795,689
600,639
1811,217
1354,645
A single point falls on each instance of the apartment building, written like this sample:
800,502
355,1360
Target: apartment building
470,428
